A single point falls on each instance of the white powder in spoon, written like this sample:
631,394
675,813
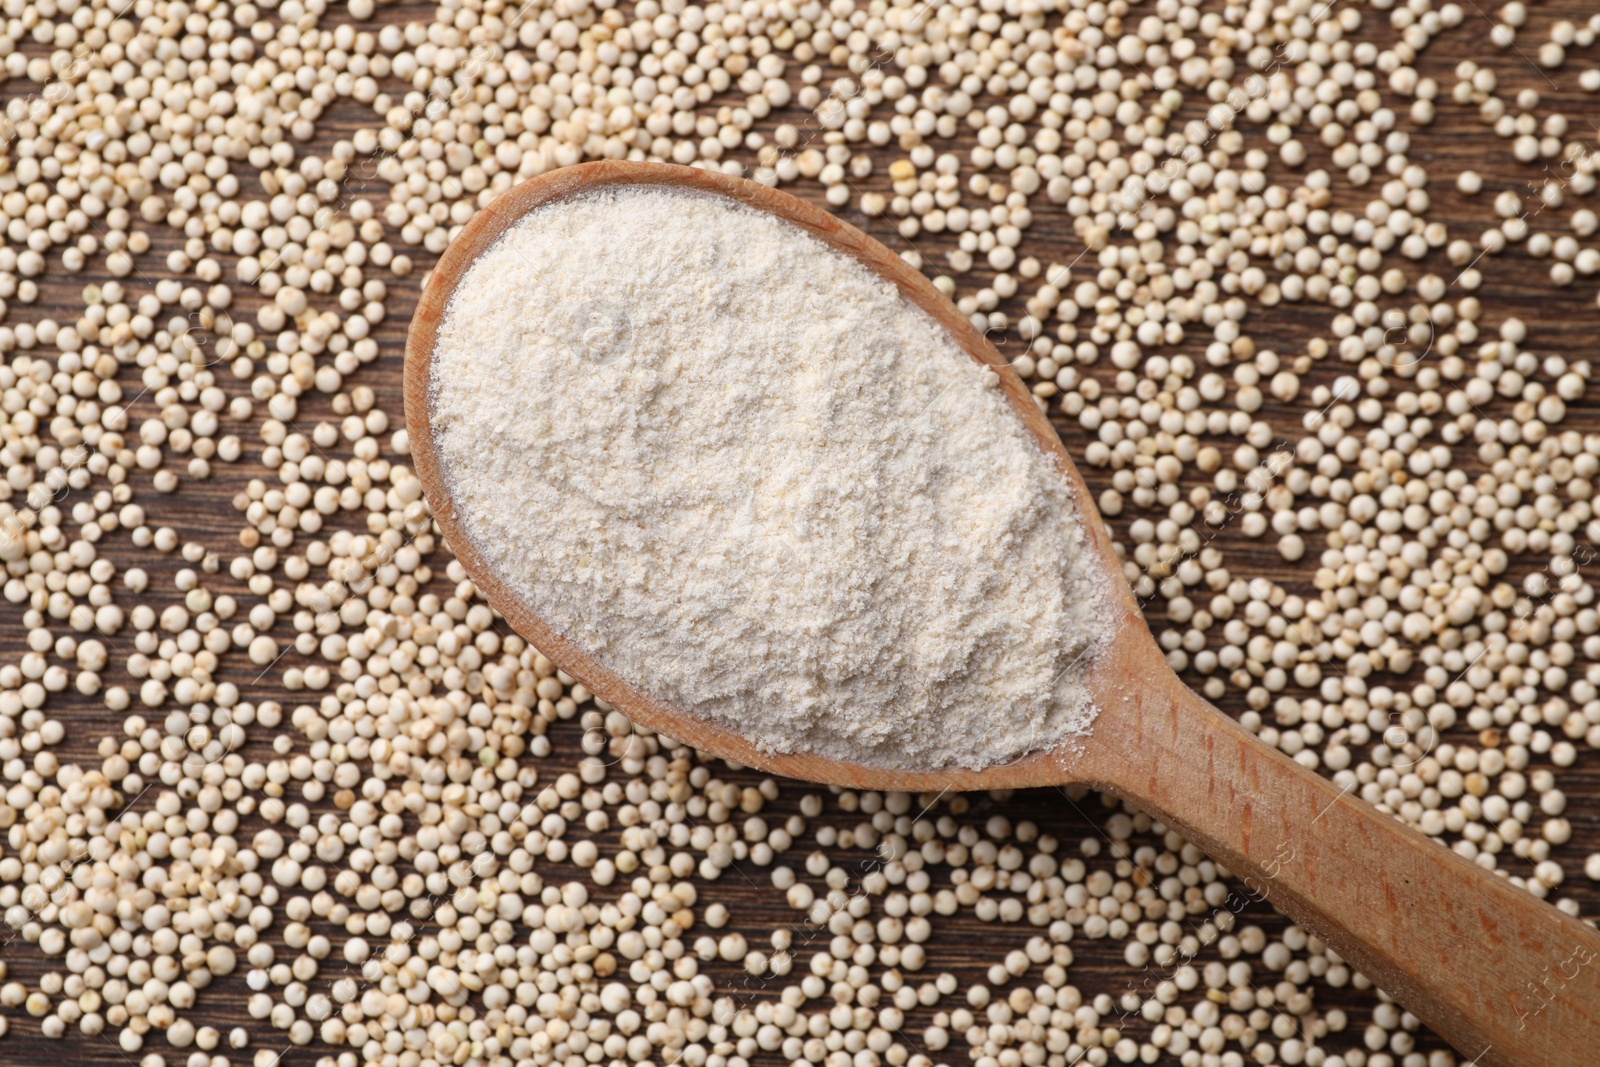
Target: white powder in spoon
744,473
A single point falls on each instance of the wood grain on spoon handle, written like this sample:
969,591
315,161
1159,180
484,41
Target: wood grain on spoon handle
1512,981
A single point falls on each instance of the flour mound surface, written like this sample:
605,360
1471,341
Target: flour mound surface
746,474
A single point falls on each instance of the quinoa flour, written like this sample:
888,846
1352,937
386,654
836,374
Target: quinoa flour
743,472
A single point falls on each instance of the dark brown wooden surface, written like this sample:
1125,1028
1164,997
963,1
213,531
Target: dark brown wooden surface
1560,321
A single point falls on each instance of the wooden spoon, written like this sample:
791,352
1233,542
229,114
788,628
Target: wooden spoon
1506,978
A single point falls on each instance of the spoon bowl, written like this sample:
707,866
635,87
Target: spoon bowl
1506,978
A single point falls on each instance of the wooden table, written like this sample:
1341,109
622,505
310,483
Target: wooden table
1561,321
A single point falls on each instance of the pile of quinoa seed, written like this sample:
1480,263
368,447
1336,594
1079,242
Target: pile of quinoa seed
1309,289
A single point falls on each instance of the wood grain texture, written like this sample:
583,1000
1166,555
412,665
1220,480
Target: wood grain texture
1380,893
1561,321
1385,897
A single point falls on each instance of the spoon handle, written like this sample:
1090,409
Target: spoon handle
1509,980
